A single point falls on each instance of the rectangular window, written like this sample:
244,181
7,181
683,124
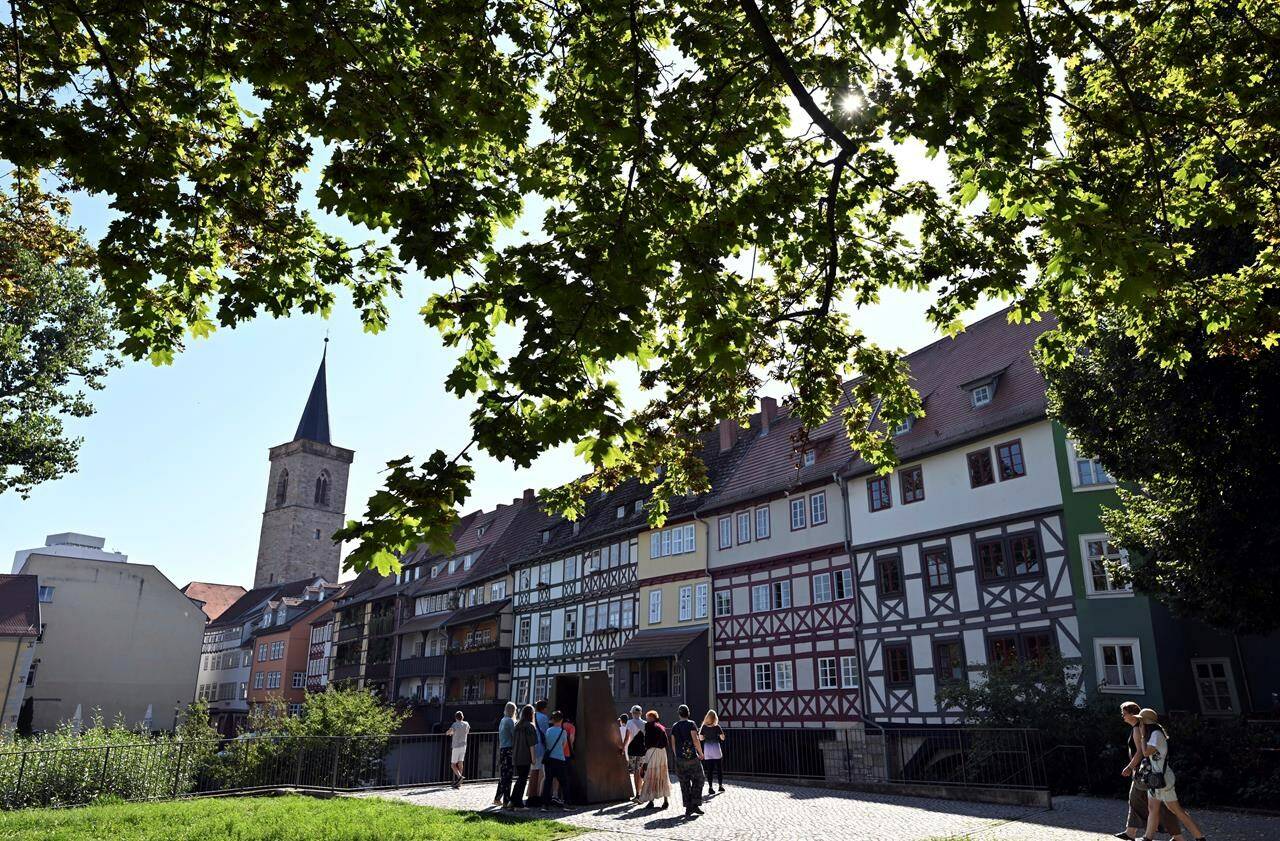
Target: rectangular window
1025,553
1215,686
878,496
897,665
937,568
980,469
844,583
615,614
848,672
991,560
724,680
810,456
540,688
686,603
822,588
700,601
655,544
498,591
798,514
277,650
589,619
760,598
629,612
1099,553
1037,646
724,603
690,541
762,523
570,568
912,480
764,677
980,396
522,638
948,660
726,532
258,678
1009,456
262,652
273,680
744,526
1119,664
655,606
889,576
1089,471
244,691
45,594
571,623
782,674
544,627
666,542
818,508
826,673
299,680
781,595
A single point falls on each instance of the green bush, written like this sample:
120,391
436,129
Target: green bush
68,767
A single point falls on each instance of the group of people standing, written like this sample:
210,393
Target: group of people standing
1153,801
698,751
534,750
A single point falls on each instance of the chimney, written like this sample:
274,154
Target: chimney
768,411
528,495
728,434
517,500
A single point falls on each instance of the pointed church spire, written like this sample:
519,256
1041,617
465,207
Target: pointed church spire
314,425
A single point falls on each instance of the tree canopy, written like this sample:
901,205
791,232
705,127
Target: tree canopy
707,190
55,340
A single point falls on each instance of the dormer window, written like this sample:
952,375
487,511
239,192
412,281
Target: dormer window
904,427
546,535
622,511
467,560
639,505
982,390
980,396
809,457
575,528
453,566
480,530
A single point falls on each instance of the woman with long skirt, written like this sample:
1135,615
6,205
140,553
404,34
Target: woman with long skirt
657,779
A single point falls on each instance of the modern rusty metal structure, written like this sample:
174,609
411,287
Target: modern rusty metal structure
597,772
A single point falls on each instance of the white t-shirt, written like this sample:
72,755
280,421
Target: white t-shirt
636,726
459,730
1161,744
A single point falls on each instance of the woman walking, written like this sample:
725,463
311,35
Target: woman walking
506,747
712,736
657,779
524,755
1162,795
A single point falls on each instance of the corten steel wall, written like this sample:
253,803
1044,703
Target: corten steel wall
597,773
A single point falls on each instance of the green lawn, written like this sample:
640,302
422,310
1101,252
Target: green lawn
270,819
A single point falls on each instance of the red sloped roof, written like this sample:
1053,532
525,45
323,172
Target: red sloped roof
19,606
216,598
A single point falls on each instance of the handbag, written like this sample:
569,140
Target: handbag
1151,778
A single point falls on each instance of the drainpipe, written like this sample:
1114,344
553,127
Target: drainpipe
1244,673
711,626
857,599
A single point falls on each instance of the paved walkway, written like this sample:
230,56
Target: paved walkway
766,812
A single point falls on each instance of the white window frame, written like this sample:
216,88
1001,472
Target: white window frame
666,542
742,533
763,675
724,603
690,538
818,505
299,680
701,593
726,532
498,591
809,457
655,606
845,578
1086,568
761,598
822,593
547,617
763,526
780,594
686,603
1074,457
828,673
45,594
724,680
571,623
800,506
1231,685
524,630
1100,671
981,395
784,676
849,671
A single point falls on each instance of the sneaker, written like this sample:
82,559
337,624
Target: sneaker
722,789
697,810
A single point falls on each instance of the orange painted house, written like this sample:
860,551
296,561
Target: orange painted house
280,654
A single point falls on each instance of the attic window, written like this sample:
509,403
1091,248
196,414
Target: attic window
480,530
467,560
981,395
546,535
809,457
904,427
622,511
575,528
639,505
453,566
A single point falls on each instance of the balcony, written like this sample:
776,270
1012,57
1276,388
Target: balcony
377,671
488,657
428,666
350,671
351,632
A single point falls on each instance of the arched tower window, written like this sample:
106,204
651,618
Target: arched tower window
282,487
322,488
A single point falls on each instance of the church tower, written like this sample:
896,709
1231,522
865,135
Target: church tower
306,498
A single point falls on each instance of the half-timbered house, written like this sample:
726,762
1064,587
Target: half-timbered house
959,553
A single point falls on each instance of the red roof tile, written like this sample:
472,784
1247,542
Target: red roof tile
19,606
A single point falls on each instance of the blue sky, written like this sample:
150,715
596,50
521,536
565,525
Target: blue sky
174,463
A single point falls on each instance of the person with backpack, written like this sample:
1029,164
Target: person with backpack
524,754
555,766
688,750
1159,779
541,721
633,747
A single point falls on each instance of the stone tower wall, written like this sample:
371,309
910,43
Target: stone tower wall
288,548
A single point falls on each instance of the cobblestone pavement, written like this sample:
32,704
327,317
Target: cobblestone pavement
765,812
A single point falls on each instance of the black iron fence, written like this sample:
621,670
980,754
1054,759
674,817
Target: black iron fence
155,770
949,756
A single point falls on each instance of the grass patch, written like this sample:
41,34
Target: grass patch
271,819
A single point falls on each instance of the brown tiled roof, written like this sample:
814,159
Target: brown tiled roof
214,598
255,597
658,642
19,605
988,347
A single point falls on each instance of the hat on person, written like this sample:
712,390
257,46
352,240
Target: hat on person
1148,715
637,709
